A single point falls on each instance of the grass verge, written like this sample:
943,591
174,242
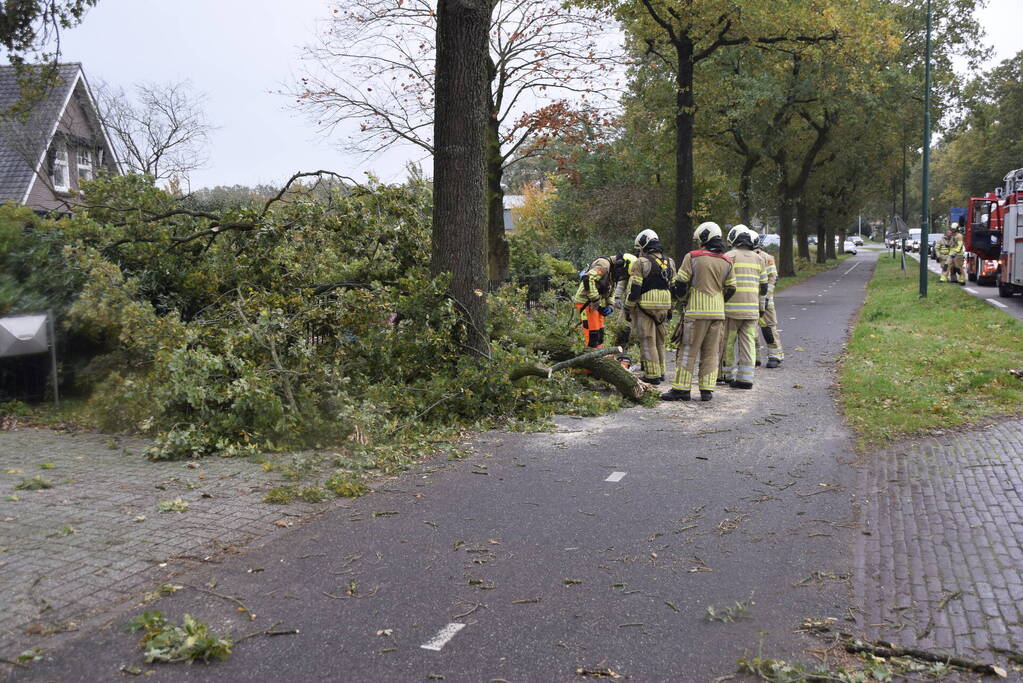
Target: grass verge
915,365
806,270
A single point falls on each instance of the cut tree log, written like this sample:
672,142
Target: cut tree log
887,650
603,369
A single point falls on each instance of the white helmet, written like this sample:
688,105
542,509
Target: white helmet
645,237
706,232
738,231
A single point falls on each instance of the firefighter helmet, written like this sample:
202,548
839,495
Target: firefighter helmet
706,232
740,234
621,264
645,237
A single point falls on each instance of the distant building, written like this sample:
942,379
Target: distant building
60,142
512,202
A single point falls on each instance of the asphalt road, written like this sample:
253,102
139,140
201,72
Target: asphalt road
598,546
1012,305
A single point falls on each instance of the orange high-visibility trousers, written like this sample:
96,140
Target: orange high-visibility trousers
593,325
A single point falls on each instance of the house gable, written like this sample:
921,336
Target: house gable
62,125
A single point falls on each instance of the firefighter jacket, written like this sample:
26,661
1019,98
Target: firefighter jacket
707,274
595,289
957,249
649,277
943,247
770,268
750,281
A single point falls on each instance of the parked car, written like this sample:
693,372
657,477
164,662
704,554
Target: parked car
770,240
848,247
933,237
913,243
857,240
811,240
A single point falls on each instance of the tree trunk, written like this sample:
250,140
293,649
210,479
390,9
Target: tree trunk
685,116
829,250
803,227
786,264
497,245
746,189
822,236
459,162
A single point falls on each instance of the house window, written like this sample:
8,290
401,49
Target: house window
84,164
59,174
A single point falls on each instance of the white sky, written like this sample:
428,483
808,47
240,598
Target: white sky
240,52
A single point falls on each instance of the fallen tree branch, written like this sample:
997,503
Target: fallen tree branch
889,650
603,369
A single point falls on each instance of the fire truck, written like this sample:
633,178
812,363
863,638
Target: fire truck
983,238
1010,226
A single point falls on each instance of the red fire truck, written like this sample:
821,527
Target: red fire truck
983,238
1010,224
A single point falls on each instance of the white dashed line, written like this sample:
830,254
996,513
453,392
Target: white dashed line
852,269
996,303
442,638
616,476
971,290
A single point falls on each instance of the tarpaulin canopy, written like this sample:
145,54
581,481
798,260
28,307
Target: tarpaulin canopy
21,335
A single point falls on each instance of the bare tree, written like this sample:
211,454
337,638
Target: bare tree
160,130
551,69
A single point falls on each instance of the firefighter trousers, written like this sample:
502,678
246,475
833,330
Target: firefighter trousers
593,325
700,339
651,330
769,329
738,349
956,272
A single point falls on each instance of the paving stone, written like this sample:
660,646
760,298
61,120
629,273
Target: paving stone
945,514
110,557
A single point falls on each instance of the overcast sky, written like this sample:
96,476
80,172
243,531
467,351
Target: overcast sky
241,52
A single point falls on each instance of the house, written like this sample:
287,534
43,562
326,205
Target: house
511,203
58,143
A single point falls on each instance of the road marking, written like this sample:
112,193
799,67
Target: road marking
853,268
996,303
971,290
616,476
442,638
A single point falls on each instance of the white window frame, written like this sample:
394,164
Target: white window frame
60,161
84,169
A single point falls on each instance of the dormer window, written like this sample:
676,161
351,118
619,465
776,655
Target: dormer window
84,164
60,172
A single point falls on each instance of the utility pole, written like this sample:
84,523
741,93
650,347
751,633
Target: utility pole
926,213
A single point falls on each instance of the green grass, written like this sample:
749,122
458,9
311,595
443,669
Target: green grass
806,270
916,365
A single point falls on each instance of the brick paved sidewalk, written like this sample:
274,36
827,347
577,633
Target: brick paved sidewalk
942,566
82,547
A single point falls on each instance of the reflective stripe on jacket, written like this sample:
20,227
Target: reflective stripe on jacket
749,276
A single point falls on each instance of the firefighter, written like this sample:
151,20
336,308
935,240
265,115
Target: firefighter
942,249
957,259
593,298
769,320
743,310
648,303
706,280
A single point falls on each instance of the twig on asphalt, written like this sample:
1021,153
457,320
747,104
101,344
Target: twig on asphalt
475,606
230,598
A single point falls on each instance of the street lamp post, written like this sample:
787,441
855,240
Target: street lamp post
926,213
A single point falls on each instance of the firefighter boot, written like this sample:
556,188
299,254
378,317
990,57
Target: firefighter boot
739,384
773,362
706,395
676,395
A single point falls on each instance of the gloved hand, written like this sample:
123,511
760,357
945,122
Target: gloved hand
606,311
